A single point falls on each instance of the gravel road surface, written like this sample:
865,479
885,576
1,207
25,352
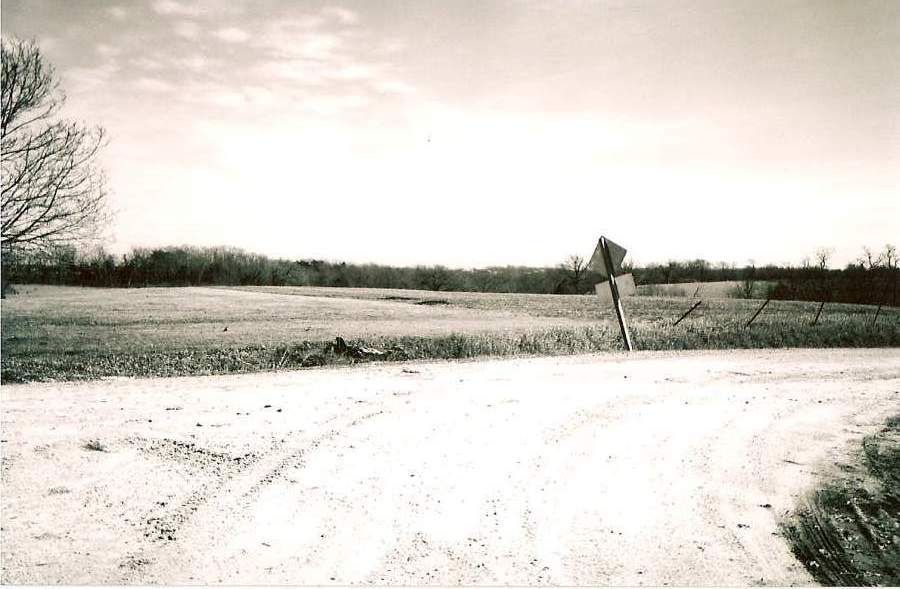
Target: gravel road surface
649,468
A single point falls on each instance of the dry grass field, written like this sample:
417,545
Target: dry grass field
213,461
53,332
704,290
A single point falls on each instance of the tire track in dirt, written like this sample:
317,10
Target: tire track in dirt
785,450
163,525
201,515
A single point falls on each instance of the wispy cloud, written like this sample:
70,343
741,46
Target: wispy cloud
232,35
329,105
342,15
297,70
153,85
396,87
107,51
328,57
195,63
86,80
147,63
356,71
117,12
393,46
299,39
173,8
187,29
301,63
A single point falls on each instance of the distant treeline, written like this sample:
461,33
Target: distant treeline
208,266
853,284
870,283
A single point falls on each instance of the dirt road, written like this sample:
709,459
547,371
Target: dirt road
608,469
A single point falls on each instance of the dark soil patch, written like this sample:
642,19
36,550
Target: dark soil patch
847,533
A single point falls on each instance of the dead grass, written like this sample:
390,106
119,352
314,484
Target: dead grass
703,290
70,332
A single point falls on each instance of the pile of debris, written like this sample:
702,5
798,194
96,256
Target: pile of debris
340,347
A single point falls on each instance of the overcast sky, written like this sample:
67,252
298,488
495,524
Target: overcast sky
474,133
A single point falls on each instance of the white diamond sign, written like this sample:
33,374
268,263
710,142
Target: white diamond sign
616,253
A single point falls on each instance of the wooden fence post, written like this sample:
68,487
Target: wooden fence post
688,312
758,311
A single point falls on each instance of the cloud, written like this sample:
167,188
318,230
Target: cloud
147,63
195,63
107,51
355,71
250,99
153,85
322,46
187,29
232,35
389,86
302,38
226,98
171,7
86,80
393,46
300,71
342,15
117,12
330,105
331,67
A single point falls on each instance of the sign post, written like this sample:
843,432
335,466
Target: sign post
611,256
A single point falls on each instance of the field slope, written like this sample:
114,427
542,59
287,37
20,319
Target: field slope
72,333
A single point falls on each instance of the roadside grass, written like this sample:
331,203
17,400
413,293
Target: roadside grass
65,333
847,533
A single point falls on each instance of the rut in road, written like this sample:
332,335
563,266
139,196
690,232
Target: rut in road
239,480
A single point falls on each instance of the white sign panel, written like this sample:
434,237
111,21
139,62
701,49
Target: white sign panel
626,286
616,253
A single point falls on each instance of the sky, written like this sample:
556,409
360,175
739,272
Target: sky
475,133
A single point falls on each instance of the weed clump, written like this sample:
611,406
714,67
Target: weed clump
95,446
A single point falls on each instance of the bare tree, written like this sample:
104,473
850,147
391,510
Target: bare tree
747,285
823,254
53,191
868,260
574,269
889,257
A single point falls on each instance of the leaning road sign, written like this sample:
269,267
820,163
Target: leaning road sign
608,265
616,254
